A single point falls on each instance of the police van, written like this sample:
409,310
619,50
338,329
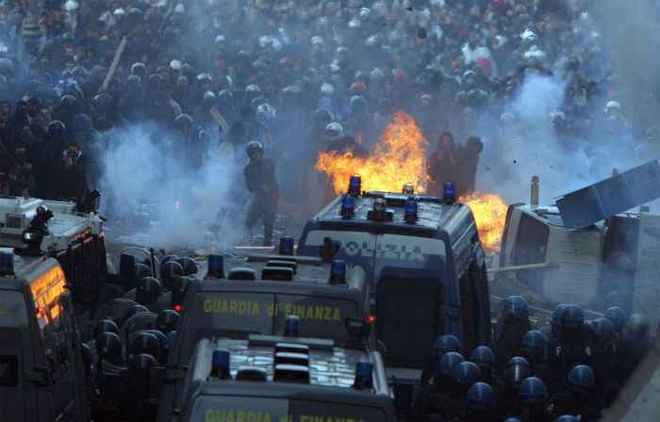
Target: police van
423,260
42,375
76,240
281,379
257,298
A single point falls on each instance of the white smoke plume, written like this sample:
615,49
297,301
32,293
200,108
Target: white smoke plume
184,208
525,144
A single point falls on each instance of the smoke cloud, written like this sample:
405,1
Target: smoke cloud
525,144
185,208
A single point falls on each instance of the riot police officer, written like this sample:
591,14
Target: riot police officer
480,403
573,348
508,398
533,397
512,324
581,397
262,183
436,400
534,347
443,344
484,358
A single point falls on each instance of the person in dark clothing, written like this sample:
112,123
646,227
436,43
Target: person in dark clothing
512,324
581,397
468,160
260,180
443,164
72,175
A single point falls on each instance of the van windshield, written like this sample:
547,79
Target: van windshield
13,312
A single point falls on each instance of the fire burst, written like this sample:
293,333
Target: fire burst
490,215
399,158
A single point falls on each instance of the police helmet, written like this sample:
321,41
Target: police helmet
603,331
555,322
205,78
617,316
517,369
581,379
483,356
102,103
182,82
68,102
465,373
179,286
169,270
106,326
145,342
253,88
56,129
255,150
166,320
534,345
188,264
446,363
358,104
515,307
567,418
139,69
142,362
163,339
142,270
533,391
130,311
480,398
183,122
209,99
572,317
148,291
446,343
108,346
334,130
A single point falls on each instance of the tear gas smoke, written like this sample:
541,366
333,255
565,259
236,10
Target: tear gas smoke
525,144
186,205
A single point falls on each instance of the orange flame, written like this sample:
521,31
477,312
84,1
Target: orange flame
490,215
399,158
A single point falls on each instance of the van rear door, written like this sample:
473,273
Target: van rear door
410,272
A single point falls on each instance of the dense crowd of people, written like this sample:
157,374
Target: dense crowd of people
300,77
572,368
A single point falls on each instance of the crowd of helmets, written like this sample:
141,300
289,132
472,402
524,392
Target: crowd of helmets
300,76
132,337
570,370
